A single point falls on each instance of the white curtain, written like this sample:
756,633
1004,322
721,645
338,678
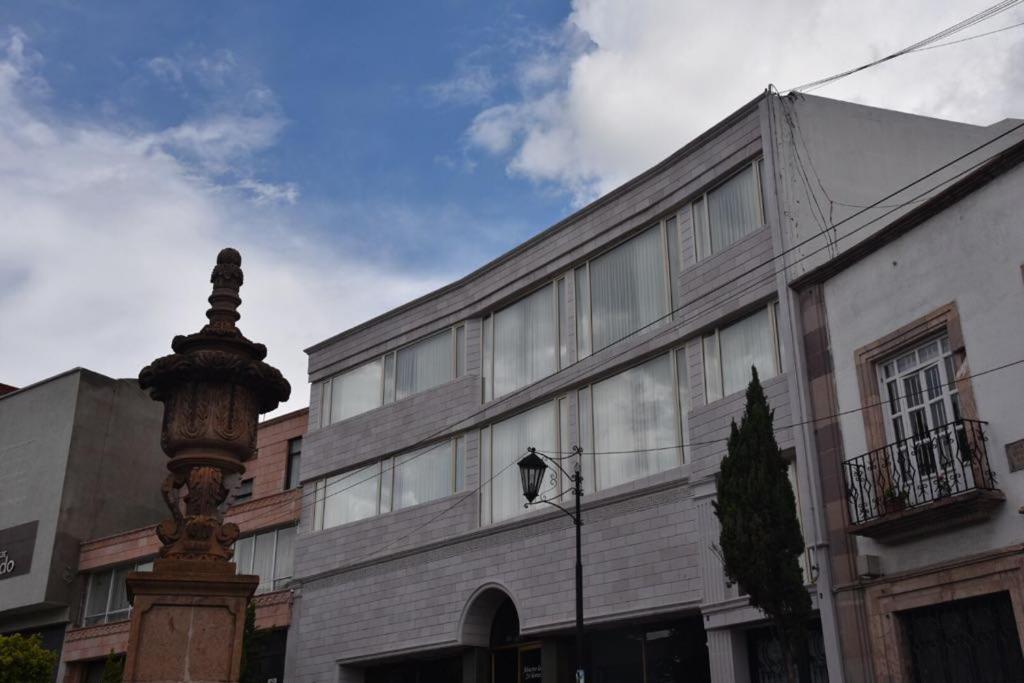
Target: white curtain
700,229
733,209
424,365
263,560
356,391
352,496
99,592
509,441
423,475
525,342
284,558
627,288
745,344
635,411
243,554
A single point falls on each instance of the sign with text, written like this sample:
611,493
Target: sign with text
530,661
17,543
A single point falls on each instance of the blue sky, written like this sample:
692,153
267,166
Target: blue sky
359,87
362,154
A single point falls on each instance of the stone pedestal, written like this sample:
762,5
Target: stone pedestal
187,622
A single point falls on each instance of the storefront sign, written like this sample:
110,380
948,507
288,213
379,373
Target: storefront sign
530,661
17,544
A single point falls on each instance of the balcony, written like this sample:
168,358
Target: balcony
923,483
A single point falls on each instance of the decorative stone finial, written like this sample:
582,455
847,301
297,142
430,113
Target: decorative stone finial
213,389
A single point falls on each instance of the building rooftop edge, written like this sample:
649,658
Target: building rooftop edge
593,206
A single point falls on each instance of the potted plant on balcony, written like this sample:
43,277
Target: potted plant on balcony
894,499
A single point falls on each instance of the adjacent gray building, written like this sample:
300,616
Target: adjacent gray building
628,329
80,458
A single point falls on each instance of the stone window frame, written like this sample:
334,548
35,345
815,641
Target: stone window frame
945,318
976,576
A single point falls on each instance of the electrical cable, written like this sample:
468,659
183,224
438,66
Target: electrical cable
919,45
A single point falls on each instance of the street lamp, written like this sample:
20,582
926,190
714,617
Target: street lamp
531,470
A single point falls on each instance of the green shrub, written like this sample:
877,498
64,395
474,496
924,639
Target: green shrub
25,660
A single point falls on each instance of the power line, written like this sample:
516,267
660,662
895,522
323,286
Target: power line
919,45
425,441
975,37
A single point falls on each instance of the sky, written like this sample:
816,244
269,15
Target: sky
362,154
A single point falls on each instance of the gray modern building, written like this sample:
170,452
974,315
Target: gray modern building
79,458
628,329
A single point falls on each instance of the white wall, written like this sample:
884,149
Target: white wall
971,253
842,156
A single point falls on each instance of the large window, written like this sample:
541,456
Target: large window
391,484
417,367
633,423
106,596
728,212
269,555
502,444
625,289
730,353
521,341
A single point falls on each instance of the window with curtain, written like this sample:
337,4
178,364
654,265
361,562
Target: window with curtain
420,366
348,497
502,445
521,342
269,555
637,427
623,290
356,391
730,352
428,474
106,597
394,483
291,476
728,212
424,365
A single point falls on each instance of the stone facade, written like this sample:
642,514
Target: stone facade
270,507
423,582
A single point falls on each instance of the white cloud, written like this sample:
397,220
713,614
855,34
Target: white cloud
108,238
471,84
628,83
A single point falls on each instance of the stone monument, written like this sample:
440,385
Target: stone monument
189,613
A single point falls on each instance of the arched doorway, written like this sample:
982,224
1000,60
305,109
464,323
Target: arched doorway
513,659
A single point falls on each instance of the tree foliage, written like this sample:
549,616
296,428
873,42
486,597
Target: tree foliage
760,539
23,659
113,668
253,645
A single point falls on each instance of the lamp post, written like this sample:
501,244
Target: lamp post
531,470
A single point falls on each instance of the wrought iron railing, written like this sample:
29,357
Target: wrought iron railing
942,462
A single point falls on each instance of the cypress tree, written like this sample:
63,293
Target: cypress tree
760,540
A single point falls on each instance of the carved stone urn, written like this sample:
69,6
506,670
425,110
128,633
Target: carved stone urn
213,387
188,614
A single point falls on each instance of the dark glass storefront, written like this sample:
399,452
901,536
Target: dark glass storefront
667,652
767,664
660,652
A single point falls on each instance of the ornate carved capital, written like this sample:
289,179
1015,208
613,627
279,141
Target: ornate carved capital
213,387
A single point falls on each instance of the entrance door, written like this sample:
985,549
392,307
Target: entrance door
964,641
517,664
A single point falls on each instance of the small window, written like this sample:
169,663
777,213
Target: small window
244,491
394,483
623,290
294,461
727,213
730,352
106,597
269,555
417,367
